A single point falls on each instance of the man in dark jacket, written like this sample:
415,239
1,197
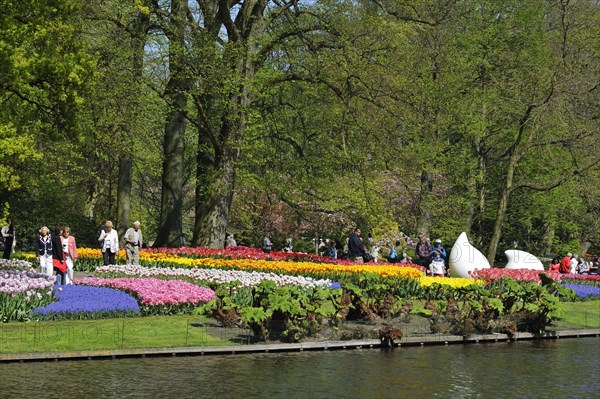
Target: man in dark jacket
57,256
355,246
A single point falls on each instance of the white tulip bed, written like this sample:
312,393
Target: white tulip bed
247,279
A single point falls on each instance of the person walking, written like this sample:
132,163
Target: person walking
69,247
332,250
133,242
267,244
44,251
356,250
58,258
8,235
110,243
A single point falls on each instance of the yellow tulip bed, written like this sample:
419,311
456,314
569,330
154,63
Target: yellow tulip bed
310,268
454,282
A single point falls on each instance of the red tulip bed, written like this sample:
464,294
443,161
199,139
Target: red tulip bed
241,252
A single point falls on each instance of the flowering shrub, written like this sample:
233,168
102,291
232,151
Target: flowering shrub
21,291
584,291
82,302
213,276
15,264
155,295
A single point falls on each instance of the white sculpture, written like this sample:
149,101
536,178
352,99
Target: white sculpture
522,260
465,258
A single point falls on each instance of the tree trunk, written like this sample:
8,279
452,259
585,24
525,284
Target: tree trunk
126,159
424,217
170,231
218,148
585,246
547,238
502,206
214,193
91,200
480,187
125,183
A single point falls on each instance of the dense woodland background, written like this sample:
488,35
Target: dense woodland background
303,119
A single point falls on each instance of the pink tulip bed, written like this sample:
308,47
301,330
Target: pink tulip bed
157,296
516,274
534,275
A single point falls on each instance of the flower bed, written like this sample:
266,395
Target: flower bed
582,278
315,270
89,257
212,276
584,291
533,275
241,252
155,295
15,264
84,302
21,291
452,282
516,274
17,281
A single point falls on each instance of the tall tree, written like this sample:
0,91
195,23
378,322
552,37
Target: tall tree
174,25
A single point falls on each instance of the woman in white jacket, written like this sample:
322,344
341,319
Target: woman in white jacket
110,243
44,244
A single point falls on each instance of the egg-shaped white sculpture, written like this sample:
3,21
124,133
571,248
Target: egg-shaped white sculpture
465,258
522,260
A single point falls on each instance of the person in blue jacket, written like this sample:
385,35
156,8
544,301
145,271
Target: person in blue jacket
437,246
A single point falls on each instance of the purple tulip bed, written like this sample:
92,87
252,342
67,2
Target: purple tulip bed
21,291
83,302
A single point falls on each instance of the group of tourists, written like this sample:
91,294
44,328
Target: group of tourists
575,264
57,253
109,242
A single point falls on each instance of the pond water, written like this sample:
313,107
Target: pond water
564,368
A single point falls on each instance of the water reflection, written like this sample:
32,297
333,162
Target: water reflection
550,368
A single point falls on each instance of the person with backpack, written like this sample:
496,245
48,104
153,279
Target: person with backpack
393,254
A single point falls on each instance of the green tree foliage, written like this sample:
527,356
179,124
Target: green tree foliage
42,73
305,119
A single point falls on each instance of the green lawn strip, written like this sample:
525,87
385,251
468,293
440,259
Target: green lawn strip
578,314
106,334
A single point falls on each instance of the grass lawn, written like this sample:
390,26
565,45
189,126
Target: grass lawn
578,315
181,331
123,333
